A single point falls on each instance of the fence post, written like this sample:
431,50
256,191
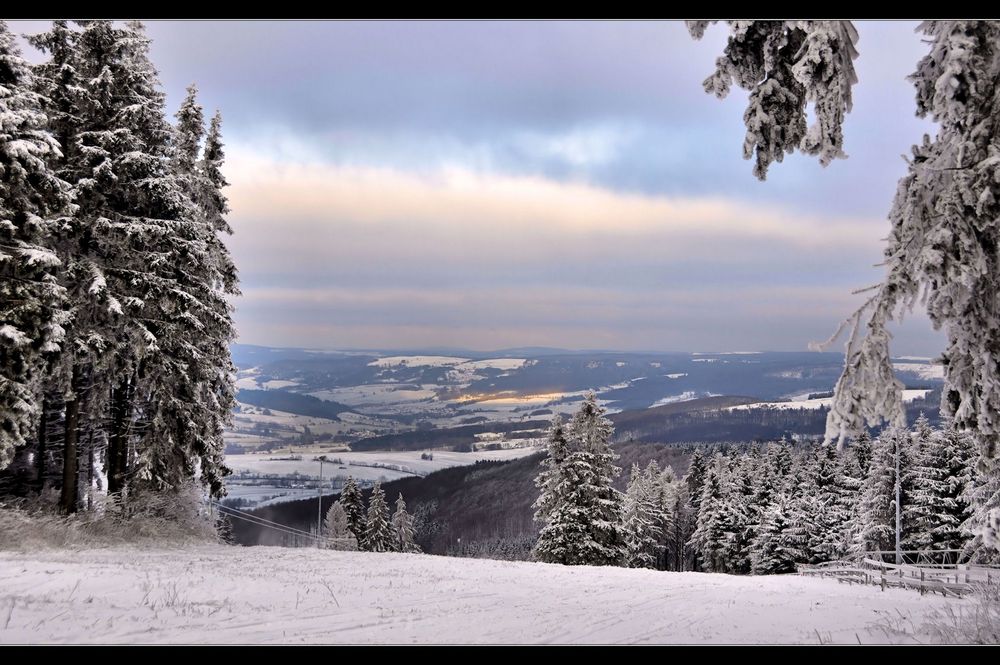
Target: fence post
921,581
881,570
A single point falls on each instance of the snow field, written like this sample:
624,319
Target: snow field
267,595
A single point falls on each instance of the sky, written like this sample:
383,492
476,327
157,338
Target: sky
488,185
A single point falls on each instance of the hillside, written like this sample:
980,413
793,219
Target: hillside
462,505
263,595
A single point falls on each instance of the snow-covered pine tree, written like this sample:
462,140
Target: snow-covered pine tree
773,550
335,529
378,530
210,277
920,512
681,526
736,516
580,510
550,480
778,458
941,248
402,529
695,476
850,481
642,518
981,529
765,482
876,519
944,475
31,198
561,533
354,507
708,539
664,486
79,83
861,450
590,433
829,519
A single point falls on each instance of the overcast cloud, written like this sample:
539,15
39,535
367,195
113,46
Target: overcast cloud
499,184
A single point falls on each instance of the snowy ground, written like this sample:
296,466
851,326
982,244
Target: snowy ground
407,459
819,402
216,594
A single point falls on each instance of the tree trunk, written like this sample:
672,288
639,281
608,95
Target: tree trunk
121,400
43,426
67,501
90,471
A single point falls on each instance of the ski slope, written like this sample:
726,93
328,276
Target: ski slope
267,595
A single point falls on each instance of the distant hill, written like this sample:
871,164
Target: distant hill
281,400
450,437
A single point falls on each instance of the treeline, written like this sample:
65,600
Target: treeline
457,438
348,526
710,420
764,508
115,324
769,510
282,400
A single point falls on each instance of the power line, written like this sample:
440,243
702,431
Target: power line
289,532
260,521
257,518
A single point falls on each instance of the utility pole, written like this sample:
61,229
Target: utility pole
899,520
319,503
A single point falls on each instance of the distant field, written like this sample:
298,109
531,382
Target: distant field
409,459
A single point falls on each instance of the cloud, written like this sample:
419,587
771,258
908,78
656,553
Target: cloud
491,318
294,214
337,255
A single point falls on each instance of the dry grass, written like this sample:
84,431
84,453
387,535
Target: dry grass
976,623
150,518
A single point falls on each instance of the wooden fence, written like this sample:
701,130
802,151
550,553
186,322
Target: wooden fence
953,580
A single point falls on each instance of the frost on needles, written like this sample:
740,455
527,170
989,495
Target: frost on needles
943,249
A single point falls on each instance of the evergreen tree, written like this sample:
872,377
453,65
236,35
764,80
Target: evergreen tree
943,478
591,432
335,529
709,538
982,528
765,482
850,483
642,513
664,488
402,528
736,516
378,530
31,196
861,447
681,526
211,278
824,513
695,477
774,550
550,480
580,509
876,529
133,359
353,503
